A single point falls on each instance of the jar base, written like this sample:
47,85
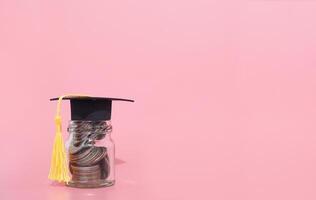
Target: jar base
94,184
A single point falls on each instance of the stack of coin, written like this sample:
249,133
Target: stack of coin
88,163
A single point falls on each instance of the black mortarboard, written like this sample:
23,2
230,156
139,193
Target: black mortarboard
91,108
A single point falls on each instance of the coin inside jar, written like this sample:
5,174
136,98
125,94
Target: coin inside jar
88,163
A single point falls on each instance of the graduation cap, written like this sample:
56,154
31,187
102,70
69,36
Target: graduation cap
86,108
91,108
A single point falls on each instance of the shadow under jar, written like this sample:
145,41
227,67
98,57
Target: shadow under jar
90,153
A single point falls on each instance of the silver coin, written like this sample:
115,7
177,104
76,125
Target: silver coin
74,157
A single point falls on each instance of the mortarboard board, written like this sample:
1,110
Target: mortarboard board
91,108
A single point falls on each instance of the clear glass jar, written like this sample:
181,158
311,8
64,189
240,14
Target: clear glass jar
90,154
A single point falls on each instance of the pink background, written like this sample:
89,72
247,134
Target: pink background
224,90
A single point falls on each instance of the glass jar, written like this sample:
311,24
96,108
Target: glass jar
90,154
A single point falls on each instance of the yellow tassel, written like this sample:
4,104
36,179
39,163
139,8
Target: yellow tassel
59,163
58,167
